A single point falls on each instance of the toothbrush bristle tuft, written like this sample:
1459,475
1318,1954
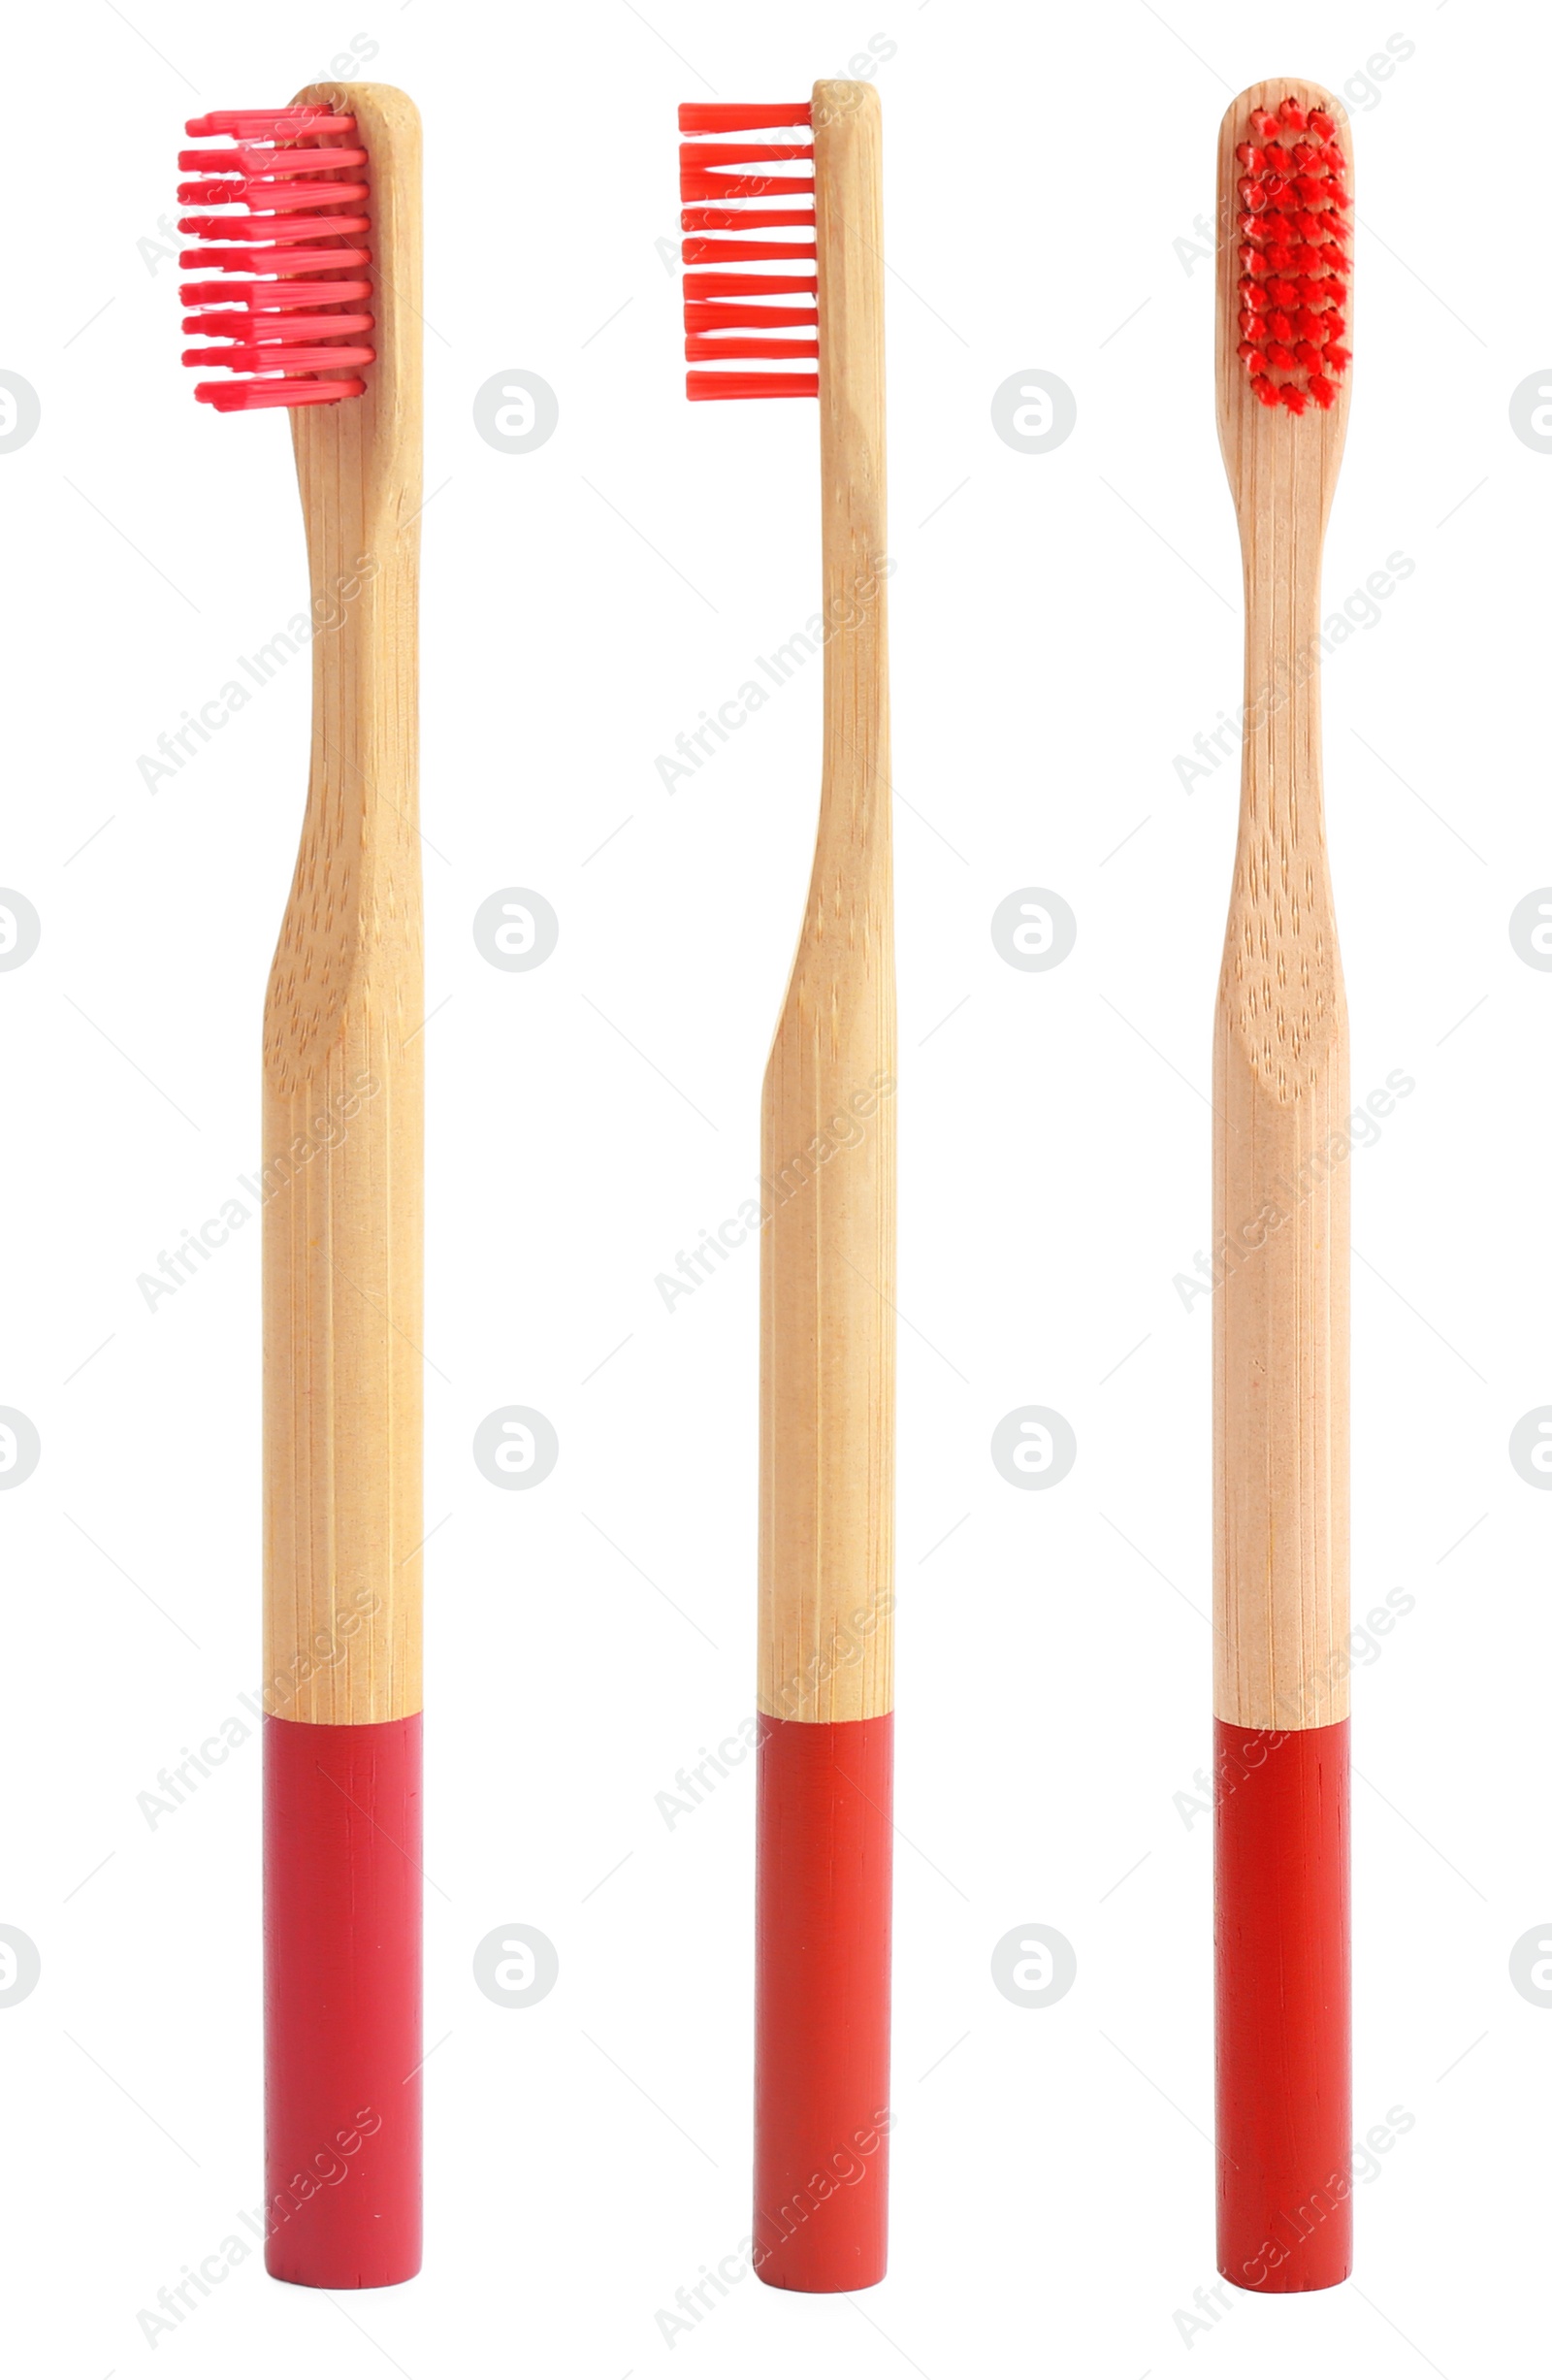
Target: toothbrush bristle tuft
294,328
727,316
1294,261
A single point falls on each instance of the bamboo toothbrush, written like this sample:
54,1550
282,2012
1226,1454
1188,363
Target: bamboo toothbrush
318,227
826,1761
1280,1199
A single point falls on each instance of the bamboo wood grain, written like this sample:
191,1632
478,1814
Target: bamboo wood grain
827,1252
342,1056
1280,1090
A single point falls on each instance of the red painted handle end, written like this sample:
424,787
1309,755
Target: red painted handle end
821,2017
1284,2066
343,2002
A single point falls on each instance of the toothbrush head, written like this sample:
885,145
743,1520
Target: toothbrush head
728,316
1294,241
293,324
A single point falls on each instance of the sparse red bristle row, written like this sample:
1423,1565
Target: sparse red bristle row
725,187
294,327
1294,256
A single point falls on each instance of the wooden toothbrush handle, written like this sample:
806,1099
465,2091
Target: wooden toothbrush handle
342,1151
828,1353
1281,1186
342,1171
340,1182
828,1138
1280,1241
1281,1201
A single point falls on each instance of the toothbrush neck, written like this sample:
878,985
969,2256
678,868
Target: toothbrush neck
1284,649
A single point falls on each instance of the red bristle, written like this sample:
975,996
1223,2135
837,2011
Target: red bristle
714,186
268,234
249,396
700,155
1280,356
1321,124
1292,115
1338,359
749,285
271,357
271,297
742,218
1295,399
745,252
283,197
256,164
1263,123
734,345
1264,390
292,326
722,115
1320,388
272,328
700,385
262,123
700,316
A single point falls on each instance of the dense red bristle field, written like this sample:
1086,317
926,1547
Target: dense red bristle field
1294,241
727,316
294,322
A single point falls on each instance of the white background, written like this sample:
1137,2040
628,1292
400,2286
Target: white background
1063,624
